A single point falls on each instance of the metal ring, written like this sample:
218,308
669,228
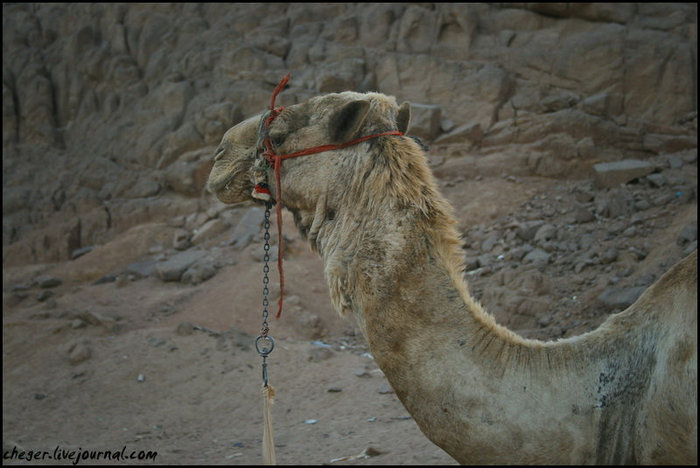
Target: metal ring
265,351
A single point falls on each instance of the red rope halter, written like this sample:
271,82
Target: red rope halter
276,161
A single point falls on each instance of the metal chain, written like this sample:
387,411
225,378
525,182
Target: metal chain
264,344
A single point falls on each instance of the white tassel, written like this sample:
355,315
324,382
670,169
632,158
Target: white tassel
268,438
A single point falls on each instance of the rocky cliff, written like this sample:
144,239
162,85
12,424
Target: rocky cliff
111,112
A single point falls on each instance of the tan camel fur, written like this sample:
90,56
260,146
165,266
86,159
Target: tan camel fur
623,393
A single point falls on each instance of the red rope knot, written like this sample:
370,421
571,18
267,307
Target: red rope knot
269,156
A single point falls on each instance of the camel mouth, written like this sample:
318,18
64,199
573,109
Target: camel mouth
229,182
221,183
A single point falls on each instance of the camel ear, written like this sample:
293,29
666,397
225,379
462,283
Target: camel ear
346,121
403,118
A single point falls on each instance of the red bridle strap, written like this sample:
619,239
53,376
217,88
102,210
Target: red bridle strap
275,160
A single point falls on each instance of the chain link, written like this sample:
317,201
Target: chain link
264,344
266,269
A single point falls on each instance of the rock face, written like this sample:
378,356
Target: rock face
111,112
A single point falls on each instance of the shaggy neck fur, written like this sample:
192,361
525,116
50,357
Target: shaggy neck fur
392,258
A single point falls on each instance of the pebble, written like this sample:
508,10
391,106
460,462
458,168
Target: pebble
544,320
320,354
537,257
77,323
583,214
80,252
182,239
48,282
385,389
657,180
43,295
79,352
609,256
311,421
173,268
184,329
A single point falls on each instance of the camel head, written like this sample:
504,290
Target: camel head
329,119
229,179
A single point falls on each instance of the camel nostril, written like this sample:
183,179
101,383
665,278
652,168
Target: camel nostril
219,153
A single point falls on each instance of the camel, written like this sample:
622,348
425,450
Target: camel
625,392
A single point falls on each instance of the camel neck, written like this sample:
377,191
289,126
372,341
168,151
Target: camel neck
396,265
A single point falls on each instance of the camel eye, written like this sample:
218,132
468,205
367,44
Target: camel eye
277,140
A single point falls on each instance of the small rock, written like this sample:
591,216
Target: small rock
446,125
320,354
538,257
80,252
489,243
362,374
311,421
209,230
663,199
122,280
184,329
39,396
385,389
641,205
674,162
172,269
105,279
612,205
140,378
545,233
485,260
199,272
612,174
527,230
335,390
609,256
584,196
582,214
141,269
544,321
182,239
48,282
77,323
79,352
156,341
657,180
43,295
